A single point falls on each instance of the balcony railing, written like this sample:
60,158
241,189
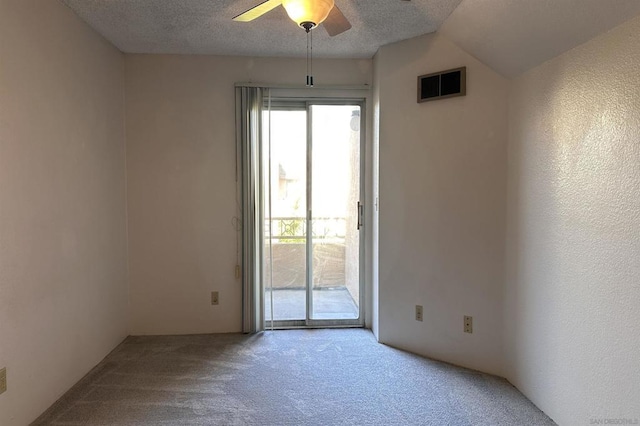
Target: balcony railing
294,229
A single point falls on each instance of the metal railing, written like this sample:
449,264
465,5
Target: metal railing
294,229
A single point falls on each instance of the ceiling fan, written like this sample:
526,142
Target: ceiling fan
308,14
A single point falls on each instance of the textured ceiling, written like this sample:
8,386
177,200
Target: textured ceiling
512,36
205,26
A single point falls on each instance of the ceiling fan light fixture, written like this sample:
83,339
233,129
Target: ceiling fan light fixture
308,13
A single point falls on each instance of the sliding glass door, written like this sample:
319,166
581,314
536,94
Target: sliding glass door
313,216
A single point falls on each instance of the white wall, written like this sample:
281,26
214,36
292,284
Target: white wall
573,252
181,151
442,206
63,283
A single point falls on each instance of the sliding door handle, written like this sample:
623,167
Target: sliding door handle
360,214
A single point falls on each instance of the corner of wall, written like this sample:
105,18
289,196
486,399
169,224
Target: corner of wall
573,219
442,194
62,209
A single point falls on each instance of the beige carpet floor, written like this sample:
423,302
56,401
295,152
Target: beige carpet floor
293,377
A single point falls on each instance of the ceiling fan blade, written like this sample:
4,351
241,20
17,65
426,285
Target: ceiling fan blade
257,11
336,23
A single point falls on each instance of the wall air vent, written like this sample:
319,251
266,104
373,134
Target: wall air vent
443,84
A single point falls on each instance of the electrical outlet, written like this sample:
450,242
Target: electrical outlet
215,299
418,312
3,380
468,324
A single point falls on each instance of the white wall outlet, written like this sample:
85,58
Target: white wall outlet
3,380
468,324
215,298
418,312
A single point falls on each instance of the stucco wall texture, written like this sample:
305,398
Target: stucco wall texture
573,246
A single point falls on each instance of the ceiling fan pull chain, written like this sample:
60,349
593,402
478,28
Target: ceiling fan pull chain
311,57
308,74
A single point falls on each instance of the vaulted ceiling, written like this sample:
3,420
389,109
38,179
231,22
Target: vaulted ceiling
511,36
206,26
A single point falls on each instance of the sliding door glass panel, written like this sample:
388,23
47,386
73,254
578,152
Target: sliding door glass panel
285,201
335,192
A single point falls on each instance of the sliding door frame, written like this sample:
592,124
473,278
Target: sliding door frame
295,104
